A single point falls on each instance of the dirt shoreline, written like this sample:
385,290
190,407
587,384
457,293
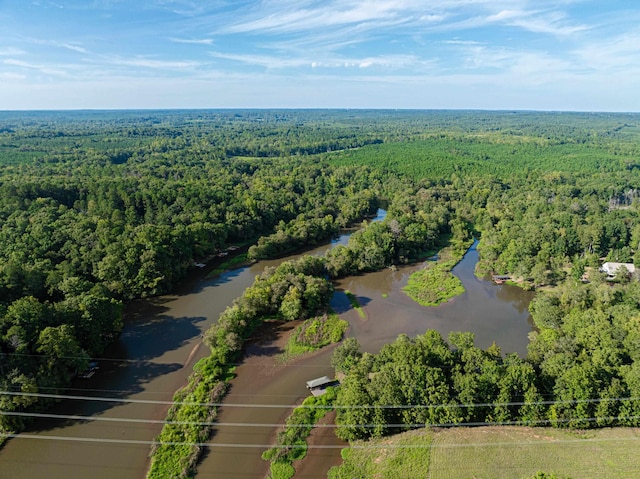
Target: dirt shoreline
318,461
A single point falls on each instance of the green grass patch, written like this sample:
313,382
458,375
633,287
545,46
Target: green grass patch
495,452
188,424
316,333
435,283
520,452
404,455
355,304
233,263
291,444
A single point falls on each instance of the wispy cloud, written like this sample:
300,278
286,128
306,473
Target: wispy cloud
287,17
265,61
391,62
614,54
290,17
388,62
427,52
42,68
553,23
72,47
154,64
12,76
193,41
11,52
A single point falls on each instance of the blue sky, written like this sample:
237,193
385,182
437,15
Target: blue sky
482,54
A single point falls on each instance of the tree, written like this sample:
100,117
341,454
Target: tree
291,306
346,355
545,311
64,355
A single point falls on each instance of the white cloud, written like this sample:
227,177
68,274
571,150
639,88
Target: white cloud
342,53
553,23
154,64
614,54
292,17
55,70
274,62
265,61
201,41
11,52
72,47
463,42
12,76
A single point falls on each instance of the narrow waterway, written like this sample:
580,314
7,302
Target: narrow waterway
162,342
492,312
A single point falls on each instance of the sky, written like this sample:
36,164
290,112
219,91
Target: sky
567,55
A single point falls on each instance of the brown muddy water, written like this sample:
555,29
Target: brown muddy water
162,341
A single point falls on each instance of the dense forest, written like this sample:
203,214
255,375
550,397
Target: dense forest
98,208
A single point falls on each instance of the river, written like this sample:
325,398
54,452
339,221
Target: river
162,341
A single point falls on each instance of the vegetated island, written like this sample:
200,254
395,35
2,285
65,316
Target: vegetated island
435,284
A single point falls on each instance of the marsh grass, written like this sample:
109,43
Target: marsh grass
435,283
315,333
355,304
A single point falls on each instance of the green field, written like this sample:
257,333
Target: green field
497,453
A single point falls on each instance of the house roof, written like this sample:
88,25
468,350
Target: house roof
612,267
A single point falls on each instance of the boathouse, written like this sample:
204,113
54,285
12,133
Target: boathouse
319,386
500,278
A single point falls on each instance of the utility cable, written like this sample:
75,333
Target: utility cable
533,422
306,406
318,446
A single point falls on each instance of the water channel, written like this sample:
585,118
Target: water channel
162,342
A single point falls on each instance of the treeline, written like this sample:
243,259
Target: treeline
582,371
559,225
424,381
45,344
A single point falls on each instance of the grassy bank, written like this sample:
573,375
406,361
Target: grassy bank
315,333
291,444
435,283
175,456
355,304
404,455
233,263
496,452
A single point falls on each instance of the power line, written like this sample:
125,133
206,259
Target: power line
535,422
317,446
290,406
145,361
134,391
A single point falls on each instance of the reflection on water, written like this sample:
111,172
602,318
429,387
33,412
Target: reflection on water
492,312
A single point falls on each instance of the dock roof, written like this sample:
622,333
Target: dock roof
319,382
